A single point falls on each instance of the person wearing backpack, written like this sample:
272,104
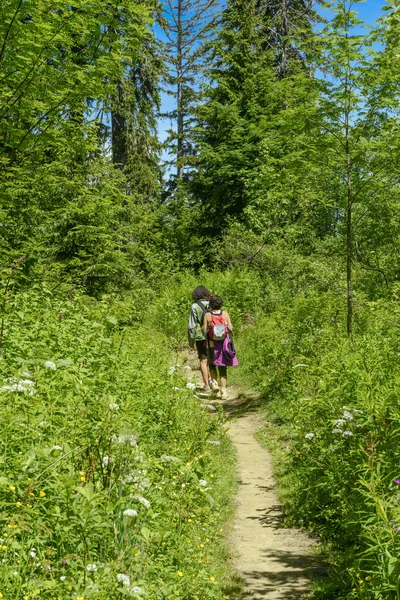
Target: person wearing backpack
217,326
199,308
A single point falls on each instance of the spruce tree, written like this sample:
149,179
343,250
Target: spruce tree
188,25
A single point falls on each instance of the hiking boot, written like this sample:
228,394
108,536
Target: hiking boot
214,385
224,394
205,389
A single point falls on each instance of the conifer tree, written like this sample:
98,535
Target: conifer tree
188,24
288,31
244,131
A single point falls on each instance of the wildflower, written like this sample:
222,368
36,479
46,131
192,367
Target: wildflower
143,501
18,504
309,436
347,415
80,598
212,578
129,512
3,548
337,430
113,406
171,370
166,458
55,448
398,527
203,482
347,433
62,578
105,461
91,568
214,442
26,598
50,365
397,480
191,386
136,590
42,494
124,579
125,439
340,421
180,573
32,553
12,488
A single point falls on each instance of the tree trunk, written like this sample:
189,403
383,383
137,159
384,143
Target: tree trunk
180,132
118,129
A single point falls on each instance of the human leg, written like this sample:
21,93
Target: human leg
213,369
223,375
204,371
201,347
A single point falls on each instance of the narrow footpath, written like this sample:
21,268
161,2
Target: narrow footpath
273,561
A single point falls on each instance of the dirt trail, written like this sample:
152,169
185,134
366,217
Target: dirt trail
273,561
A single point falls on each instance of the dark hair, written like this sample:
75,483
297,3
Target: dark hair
201,293
215,302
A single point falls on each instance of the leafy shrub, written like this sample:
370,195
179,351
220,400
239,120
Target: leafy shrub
111,478
334,405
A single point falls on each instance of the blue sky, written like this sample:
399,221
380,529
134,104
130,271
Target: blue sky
369,11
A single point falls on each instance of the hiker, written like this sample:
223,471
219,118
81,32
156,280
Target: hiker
196,336
222,354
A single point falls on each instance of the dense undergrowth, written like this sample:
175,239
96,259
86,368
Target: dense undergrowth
114,481
332,406
334,418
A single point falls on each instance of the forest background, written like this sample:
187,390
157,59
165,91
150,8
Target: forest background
282,194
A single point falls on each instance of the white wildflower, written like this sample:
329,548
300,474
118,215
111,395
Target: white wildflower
105,461
91,568
129,512
214,442
113,406
347,433
136,590
340,421
187,368
191,386
26,374
309,436
126,438
171,370
55,448
348,415
27,382
202,482
143,501
166,458
337,431
32,553
50,365
124,579
63,578
18,385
